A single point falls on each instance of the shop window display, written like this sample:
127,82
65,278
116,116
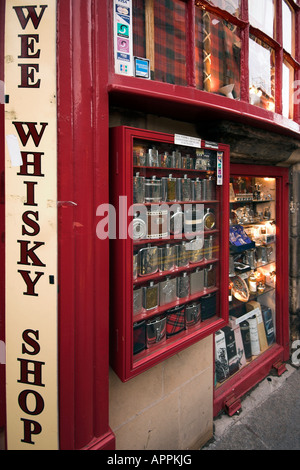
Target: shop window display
218,55
170,245
160,35
252,276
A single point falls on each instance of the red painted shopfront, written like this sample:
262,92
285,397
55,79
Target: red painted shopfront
91,96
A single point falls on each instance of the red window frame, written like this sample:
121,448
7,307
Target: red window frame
187,102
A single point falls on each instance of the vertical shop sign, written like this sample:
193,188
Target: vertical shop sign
31,225
123,37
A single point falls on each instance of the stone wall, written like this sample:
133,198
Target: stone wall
169,407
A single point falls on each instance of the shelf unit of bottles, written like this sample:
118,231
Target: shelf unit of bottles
256,337
170,194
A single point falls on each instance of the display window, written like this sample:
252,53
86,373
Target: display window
160,35
167,261
257,273
218,55
262,16
261,74
237,49
288,75
288,26
232,6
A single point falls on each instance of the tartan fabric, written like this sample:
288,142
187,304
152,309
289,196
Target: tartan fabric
175,321
170,39
139,36
221,40
170,45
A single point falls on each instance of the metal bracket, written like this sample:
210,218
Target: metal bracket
232,405
280,367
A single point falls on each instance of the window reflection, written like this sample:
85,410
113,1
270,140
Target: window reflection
232,6
287,27
261,74
262,15
218,48
287,90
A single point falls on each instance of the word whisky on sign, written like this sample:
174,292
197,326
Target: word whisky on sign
30,218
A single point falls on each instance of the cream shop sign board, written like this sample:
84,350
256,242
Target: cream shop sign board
31,225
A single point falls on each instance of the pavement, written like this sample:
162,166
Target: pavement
269,418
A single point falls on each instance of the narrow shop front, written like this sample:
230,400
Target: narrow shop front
146,212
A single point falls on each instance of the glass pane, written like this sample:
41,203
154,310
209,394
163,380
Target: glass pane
287,28
232,6
252,276
164,27
261,74
262,15
287,90
218,51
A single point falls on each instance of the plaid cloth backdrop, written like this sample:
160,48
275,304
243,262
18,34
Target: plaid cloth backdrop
170,45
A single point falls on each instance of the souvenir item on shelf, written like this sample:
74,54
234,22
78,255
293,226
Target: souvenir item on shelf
187,162
176,222
182,255
268,322
153,189
166,160
139,157
209,220
192,314
148,260
177,158
156,330
221,359
175,320
169,189
197,281
139,336
252,283
138,189
157,224
208,189
245,331
195,249
233,360
137,301
209,247
208,306
167,291
183,188
238,236
193,219
249,258
152,157
210,276
139,226
135,271
150,296
167,257
183,285
240,289
196,189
